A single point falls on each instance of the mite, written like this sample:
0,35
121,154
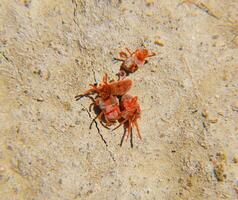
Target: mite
109,110
131,61
107,89
130,113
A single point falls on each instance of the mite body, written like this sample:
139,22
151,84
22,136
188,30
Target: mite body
130,113
109,109
112,104
107,89
132,61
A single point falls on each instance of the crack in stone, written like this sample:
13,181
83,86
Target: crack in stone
94,75
99,132
12,63
79,42
75,11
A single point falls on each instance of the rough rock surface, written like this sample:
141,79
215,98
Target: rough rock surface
50,50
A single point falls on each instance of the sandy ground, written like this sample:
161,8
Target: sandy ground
50,50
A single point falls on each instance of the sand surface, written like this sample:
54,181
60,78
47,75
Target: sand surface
50,50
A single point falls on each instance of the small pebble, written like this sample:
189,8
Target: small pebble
235,160
219,172
205,113
214,37
39,99
222,156
67,105
27,3
38,72
225,76
60,181
236,189
159,42
214,120
149,2
149,13
47,76
9,147
2,169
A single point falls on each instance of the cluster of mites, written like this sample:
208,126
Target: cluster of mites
112,101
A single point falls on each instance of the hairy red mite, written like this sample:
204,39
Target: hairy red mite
130,113
107,89
110,109
132,61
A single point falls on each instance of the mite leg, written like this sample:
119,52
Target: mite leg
118,59
128,50
80,96
101,121
123,54
124,121
108,123
121,74
129,130
94,119
131,139
104,125
90,106
87,93
124,134
105,79
138,130
152,54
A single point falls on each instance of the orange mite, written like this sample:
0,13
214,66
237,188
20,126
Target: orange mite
132,61
105,90
130,112
109,109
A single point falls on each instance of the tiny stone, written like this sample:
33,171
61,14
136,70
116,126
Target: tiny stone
222,156
189,183
236,189
149,2
67,106
40,99
215,120
38,72
235,160
149,14
27,3
9,147
2,169
205,113
225,76
159,42
47,76
219,172
77,122
60,181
